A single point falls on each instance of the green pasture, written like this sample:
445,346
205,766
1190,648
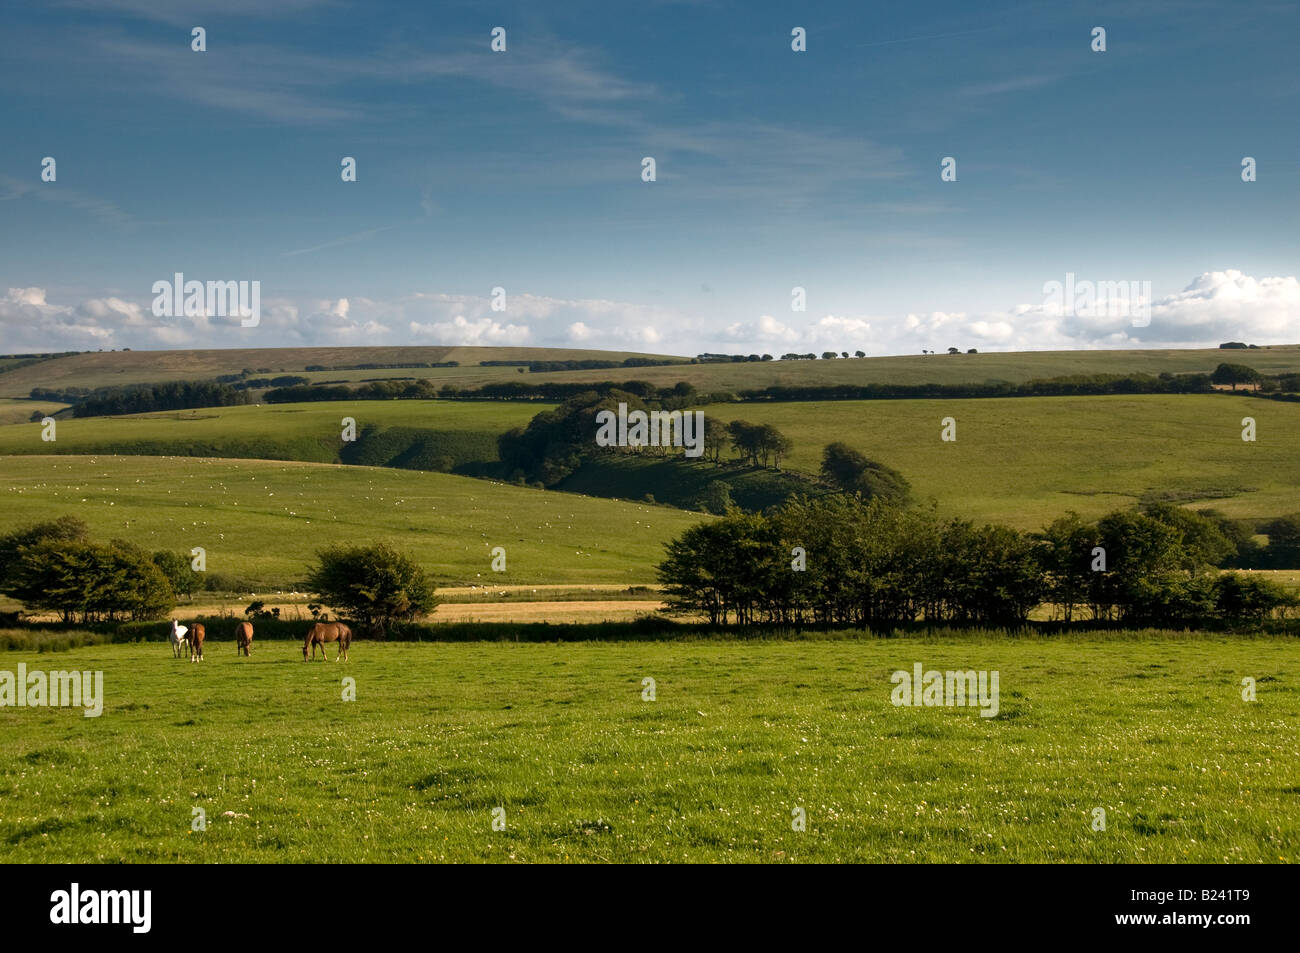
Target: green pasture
1024,461
310,432
1153,730
98,369
262,522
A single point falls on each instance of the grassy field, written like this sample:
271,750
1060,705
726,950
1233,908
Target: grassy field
310,432
1153,730
20,411
263,522
130,367
1024,461
1015,367
112,368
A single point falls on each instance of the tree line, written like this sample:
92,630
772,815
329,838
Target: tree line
1077,385
144,398
846,561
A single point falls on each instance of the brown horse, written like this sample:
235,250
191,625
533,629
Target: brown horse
244,638
197,634
323,632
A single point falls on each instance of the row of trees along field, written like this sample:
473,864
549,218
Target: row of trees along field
1224,376
55,567
841,560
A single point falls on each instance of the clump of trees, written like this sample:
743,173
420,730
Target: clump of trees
556,442
150,398
848,471
846,560
54,567
375,585
758,444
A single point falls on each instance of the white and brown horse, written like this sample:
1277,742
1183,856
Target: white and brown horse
197,634
178,638
323,632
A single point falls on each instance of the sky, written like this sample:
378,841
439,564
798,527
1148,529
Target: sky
775,169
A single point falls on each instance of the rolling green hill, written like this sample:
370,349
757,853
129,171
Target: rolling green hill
465,433
1014,367
20,411
1024,461
111,368
132,367
262,522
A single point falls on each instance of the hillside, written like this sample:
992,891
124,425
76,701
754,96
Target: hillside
132,367
110,368
1024,461
463,433
261,523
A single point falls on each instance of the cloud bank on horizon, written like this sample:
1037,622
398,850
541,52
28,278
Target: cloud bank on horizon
1213,308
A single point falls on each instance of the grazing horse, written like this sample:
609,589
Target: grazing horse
178,638
244,638
323,632
197,634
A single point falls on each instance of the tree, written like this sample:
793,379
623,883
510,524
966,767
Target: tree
376,585
1235,374
716,439
1283,533
859,353
1248,600
849,471
773,445
716,498
1203,542
745,439
954,350
1145,570
1065,552
178,572
65,528
829,355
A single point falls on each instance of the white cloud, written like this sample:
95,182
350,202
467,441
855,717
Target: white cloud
483,331
1213,308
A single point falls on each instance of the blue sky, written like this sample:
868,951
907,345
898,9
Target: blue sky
776,169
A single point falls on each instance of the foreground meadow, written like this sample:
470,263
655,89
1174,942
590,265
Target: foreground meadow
739,734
